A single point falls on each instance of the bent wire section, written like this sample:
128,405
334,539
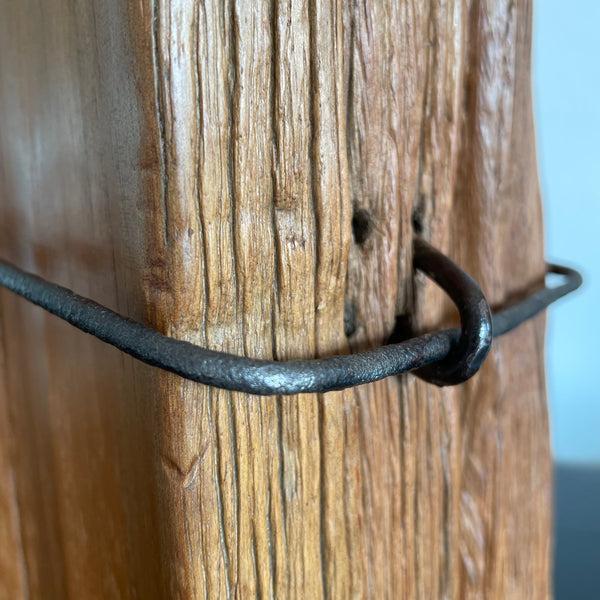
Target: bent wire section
467,355
457,353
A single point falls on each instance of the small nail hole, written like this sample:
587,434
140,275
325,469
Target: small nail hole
350,318
417,219
362,225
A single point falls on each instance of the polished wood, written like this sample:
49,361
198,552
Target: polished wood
242,175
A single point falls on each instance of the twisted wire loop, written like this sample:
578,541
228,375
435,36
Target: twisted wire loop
445,357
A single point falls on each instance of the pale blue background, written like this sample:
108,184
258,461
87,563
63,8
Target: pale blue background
567,110
567,102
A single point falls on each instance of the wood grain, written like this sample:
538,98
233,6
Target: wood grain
249,176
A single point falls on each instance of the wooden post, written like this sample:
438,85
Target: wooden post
242,175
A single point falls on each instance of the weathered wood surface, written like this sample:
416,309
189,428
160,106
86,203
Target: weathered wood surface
197,165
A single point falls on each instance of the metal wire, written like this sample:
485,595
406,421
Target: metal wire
467,356
457,353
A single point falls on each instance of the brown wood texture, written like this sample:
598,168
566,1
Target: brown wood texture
241,175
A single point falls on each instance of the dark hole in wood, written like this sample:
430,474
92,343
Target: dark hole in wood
350,313
362,225
402,329
417,218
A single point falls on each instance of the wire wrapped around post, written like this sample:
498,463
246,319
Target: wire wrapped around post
444,358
